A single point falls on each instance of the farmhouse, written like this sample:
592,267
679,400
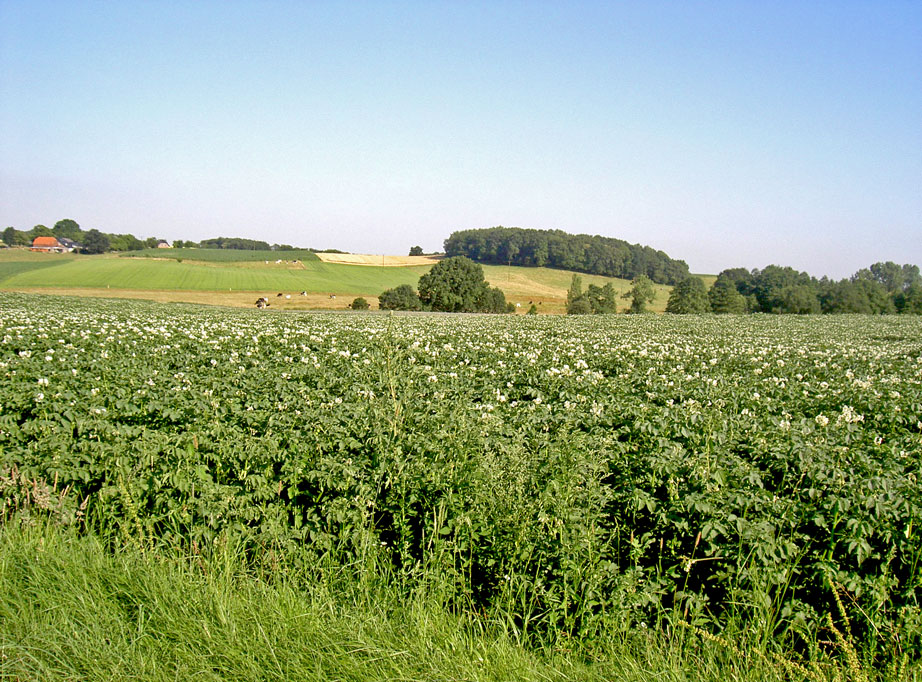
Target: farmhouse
48,245
69,244
163,244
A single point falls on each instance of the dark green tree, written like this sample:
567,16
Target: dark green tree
889,274
909,302
39,231
399,298
532,310
359,304
124,242
725,298
799,299
67,229
689,297
95,242
453,285
577,302
493,300
602,300
554,248
13,237
772,286
641,293
151,242
416,251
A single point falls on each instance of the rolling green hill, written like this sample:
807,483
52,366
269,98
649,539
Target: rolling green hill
146,273
199,280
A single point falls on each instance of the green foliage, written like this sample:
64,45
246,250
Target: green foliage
234,243
416,251
95,241
402,297
602,299
68,229
689,297
532,310
556,249
577,303
39,231
598,300
456,285
641,293
90,608
910,301
359,304
724,297
589,472
14,237
493,300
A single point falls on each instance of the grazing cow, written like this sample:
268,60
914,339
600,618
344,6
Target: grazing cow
279,294
262,302
303,293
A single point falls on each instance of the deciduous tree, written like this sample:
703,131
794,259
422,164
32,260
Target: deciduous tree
725,298
689,297
454,285
95,242
399,298
641,293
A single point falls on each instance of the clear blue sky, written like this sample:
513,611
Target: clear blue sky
724,133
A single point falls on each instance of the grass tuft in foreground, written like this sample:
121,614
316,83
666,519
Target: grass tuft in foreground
72,609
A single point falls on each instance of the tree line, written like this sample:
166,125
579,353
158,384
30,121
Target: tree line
595,255
883,288
91,241
94,241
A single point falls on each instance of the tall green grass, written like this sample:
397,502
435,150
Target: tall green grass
92,608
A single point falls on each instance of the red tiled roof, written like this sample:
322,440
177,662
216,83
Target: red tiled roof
45,241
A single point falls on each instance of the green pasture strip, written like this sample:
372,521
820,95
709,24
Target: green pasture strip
224,255
12,268
21,254
123,273
70,609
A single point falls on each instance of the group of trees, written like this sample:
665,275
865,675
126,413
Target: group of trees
94,241
91,241
239,244
598,300
453,285
594,255
880,289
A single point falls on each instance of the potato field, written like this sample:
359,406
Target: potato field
641,470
